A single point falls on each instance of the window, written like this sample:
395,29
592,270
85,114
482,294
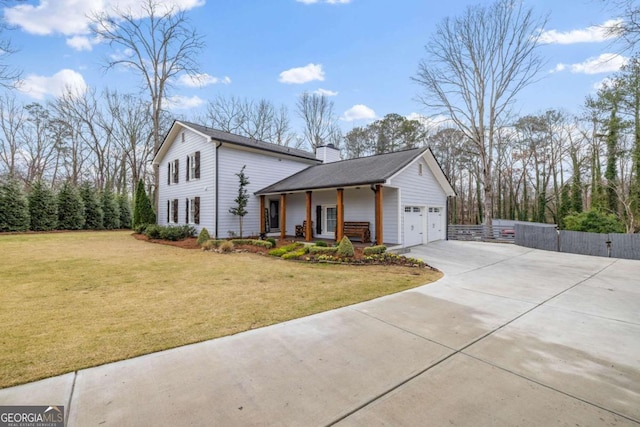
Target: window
172,172
330,219
420,169
416,209
193,166
407,209
193,210
172,211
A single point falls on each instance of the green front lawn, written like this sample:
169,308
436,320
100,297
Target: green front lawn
74,300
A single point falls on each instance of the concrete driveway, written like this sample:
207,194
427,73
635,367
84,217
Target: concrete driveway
510,336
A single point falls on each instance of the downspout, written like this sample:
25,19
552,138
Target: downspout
446,215
216,188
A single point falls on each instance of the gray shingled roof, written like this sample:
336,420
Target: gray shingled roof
248,142
346,173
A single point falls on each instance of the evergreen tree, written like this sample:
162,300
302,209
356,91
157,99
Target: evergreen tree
94,217
14,208
70,208
111,210
142,210
125,211
240,209
43,207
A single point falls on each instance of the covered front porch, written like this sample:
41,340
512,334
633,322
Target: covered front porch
330,214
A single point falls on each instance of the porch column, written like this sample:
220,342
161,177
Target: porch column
379,238
340,215
262,218
308,232
283,216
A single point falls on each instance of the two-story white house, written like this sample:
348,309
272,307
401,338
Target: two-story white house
401,197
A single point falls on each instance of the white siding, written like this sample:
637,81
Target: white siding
419,190
261,170
202,187
390,216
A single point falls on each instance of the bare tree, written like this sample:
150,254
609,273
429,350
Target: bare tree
320,126
627,28
9,74
11,123
158,44
132,133
258,120
475,66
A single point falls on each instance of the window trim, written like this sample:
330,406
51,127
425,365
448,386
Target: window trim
325,211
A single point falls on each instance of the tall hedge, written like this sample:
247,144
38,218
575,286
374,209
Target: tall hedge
143,212
70,208
125,211
14,208
94,217
111,210
43,207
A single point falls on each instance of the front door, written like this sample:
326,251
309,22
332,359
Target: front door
274,214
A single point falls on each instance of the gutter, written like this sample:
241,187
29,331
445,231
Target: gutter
216,188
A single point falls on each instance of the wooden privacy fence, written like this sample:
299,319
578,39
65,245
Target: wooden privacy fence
548,237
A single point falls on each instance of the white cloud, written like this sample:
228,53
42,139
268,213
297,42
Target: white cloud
81,43
72,17
607,81
62,82
593,34
358,112
179,102
304,74
325,92
201,80
605,63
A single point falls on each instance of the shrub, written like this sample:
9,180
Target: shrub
322,250
226,246
593,221
152,231
278,252
295,254
345,248
212,244
371,250
203,236
140,228
321,243
252,242
174,233
272,241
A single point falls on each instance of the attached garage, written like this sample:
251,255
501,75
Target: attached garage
435,224
413,226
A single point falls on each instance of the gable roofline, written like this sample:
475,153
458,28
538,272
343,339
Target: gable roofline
376,169
228,138
436,169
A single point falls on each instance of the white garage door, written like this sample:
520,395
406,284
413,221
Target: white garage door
413,231
434,224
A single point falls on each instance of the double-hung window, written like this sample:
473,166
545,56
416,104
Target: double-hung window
172,172
193,210
193,166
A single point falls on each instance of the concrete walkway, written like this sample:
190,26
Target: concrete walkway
510,336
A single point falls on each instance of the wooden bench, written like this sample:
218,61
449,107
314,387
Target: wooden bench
302,229
357,229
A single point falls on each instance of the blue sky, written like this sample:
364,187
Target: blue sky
361,53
